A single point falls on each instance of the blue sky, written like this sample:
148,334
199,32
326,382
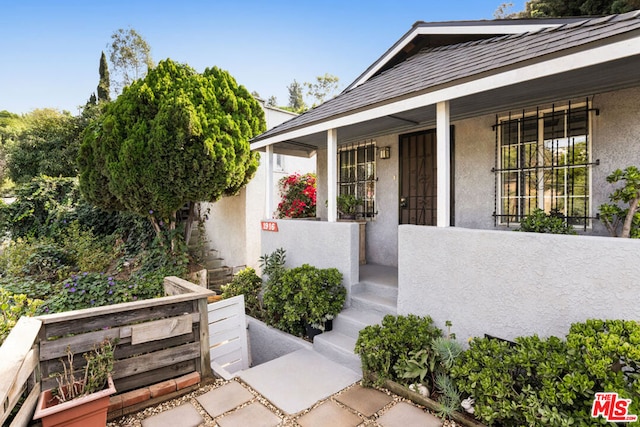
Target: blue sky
50,50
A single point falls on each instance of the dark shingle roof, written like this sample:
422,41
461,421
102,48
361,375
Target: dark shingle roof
434,67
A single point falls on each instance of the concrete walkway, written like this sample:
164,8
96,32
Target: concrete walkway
300,389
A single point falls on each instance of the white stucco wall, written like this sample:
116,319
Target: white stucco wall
233,227
318,243
615,143
510,284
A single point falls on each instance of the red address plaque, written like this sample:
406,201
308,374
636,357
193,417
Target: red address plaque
269,226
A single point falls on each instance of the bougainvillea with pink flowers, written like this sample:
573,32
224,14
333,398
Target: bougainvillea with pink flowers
298,196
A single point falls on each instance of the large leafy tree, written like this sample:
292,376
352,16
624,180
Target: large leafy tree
296,97
130,57
47,145
104,85
323,87
174,137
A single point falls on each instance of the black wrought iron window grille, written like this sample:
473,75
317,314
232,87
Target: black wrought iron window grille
543,161
357,176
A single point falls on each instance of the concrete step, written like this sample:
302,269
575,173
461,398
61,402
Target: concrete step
219,272
351,320
369,301
339,348
213,263
386,290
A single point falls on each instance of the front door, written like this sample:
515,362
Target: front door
418,178
418,185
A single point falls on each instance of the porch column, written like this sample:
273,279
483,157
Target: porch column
268,213
443,135
332,175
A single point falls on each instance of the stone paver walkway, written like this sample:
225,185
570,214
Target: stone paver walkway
235,404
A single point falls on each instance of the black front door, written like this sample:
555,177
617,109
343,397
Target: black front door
418,178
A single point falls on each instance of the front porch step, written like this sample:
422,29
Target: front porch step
351,320
339,348
369,301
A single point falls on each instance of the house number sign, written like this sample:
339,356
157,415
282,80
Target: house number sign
269,226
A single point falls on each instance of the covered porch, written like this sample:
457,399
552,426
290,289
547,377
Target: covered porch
455,94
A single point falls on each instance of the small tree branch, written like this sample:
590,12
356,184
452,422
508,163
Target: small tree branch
633,208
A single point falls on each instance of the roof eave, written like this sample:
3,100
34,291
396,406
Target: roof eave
545,67
499,27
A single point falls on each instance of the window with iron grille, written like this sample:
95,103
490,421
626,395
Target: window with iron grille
357,175
543,161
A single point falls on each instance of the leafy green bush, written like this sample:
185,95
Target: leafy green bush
89,252
32,288
88,290
246,282
43,207
540,222
48,262
12,307
304,295
273,265
383,349
551,382
623,221
608,353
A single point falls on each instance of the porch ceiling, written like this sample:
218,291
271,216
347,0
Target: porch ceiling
583,82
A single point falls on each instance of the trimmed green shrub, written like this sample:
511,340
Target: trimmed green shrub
304,295
246,282
551,382
384,348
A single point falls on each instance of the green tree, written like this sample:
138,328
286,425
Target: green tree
560,8
174,137
323,87
104,84
11,125
130,56
612,214
47,145
296,97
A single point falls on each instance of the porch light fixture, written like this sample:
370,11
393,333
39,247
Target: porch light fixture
385,152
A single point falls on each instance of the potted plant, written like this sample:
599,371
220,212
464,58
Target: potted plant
348,205
82,400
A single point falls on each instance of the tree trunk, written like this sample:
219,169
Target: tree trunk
626,227
189,224
157,229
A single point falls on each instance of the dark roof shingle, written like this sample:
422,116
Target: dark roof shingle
433,67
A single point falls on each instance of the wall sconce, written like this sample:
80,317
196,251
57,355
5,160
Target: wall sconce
385,152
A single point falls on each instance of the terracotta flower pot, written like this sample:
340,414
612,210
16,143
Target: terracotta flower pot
85,411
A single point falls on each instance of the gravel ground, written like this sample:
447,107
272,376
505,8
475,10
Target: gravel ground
135,420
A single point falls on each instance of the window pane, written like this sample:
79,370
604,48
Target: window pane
357,175
546,166
509,132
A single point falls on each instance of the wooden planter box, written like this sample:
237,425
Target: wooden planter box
85,411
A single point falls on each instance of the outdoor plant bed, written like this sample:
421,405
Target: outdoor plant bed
419,399
84,411
82,400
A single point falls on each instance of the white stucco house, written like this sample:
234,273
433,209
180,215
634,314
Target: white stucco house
452,136
232,227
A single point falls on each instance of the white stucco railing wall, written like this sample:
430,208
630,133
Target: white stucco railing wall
318,243
509,284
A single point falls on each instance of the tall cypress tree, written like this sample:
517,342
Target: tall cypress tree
103,86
